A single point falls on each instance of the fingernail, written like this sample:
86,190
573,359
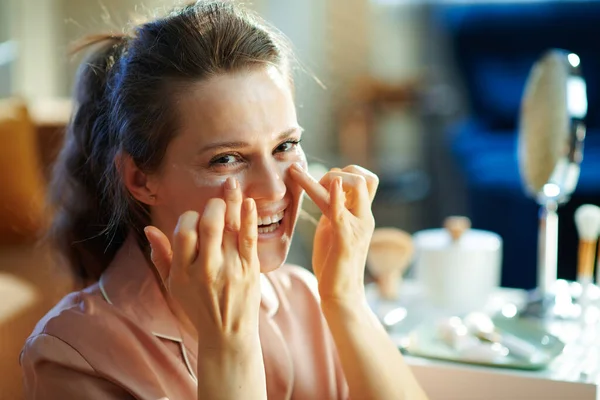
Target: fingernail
147,232
231,183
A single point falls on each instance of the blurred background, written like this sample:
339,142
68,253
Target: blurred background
424,93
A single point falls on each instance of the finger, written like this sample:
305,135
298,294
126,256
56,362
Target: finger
371,178
248,236
233,203
161,252
211,226
338,199
314,190
357,199
185,242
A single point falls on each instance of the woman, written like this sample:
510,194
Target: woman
177,192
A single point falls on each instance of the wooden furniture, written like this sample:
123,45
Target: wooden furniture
32,279
50,118
23,187
358,118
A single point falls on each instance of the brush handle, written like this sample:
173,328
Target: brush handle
585,261
598,267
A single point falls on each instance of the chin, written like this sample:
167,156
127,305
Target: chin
272,256
274,242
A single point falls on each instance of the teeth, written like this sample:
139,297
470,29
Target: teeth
268,229
270,219
265,221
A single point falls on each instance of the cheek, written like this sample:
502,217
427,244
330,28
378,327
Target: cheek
187,189
206,182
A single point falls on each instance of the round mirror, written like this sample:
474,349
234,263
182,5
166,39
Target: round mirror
552,129
551,135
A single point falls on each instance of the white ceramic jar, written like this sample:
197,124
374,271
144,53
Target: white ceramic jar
458,271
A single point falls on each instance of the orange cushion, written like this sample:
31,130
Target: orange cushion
22,187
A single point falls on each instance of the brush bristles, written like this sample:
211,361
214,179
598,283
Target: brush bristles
587,220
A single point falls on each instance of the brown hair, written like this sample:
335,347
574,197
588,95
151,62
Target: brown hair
123,104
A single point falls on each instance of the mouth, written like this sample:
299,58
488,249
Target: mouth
270,223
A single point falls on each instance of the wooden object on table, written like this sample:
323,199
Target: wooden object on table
456,226
390,253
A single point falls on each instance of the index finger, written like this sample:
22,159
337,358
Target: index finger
314,190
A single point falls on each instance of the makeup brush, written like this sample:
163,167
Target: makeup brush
587,221
390,253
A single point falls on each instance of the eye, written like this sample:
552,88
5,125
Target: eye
225,160
287,146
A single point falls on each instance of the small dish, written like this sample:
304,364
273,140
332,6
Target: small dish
425,342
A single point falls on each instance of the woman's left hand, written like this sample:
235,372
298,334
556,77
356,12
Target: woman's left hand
344,231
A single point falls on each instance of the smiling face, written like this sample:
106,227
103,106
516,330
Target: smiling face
241,125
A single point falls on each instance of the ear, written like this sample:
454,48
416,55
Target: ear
139,184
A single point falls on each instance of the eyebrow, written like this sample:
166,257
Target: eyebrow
239,145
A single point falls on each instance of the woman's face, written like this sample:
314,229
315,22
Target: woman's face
240,125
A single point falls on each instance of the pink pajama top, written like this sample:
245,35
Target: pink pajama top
118,339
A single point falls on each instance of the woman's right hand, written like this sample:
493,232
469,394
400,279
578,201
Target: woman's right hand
213,274
213,268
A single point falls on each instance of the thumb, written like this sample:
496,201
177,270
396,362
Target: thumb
162,255
161,252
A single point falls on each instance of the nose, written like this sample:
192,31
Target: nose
265,182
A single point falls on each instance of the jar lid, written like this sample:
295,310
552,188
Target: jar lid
472,239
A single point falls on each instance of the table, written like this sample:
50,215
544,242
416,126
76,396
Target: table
574,375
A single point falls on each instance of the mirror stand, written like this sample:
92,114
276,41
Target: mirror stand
552,298
548,247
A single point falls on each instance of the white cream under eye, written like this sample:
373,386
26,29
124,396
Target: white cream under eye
208,180
202,179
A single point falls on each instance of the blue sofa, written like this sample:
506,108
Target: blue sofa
494,46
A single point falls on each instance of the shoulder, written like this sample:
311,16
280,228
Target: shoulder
72,315
70,331
88,342
57,345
